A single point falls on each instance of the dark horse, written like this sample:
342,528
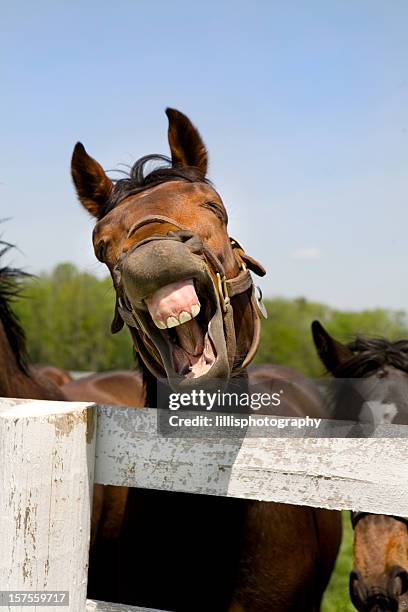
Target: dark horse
184,289
375,390
17,377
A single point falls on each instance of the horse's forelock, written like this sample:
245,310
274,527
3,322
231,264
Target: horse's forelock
139,180
371,354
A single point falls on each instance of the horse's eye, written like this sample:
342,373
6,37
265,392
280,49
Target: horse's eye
100,250
215,208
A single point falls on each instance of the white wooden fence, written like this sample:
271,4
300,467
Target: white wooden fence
51,453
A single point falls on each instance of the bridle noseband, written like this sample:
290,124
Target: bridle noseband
227,288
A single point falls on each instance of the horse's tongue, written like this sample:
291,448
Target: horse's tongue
190,337
194,366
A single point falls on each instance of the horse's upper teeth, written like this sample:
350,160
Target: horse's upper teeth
195,310
184,317
160,324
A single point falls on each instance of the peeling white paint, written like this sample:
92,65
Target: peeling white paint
336,473
47,452
46,475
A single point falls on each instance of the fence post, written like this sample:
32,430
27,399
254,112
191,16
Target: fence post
47,452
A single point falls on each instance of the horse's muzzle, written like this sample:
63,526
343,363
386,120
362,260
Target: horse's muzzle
383,593
158,264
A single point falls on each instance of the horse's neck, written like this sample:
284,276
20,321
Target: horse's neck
14,382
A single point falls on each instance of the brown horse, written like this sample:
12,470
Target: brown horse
121,387
17,377
184,289
58,375
376,371
379,578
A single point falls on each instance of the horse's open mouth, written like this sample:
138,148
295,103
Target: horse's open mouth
182,332
183,319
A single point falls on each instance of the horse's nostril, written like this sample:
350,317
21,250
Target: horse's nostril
358,589
397,582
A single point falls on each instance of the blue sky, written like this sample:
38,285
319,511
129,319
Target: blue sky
303,107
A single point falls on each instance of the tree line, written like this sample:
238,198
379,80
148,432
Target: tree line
67,314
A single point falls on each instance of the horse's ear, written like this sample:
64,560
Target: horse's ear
331,352
186,145
93,186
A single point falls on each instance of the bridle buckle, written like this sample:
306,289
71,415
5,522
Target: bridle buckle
223,291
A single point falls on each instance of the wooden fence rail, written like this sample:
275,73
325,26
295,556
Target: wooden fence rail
51,453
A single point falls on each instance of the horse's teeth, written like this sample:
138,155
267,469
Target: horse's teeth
195,310
159,324
184,317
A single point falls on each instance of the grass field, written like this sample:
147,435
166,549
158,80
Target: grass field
336,598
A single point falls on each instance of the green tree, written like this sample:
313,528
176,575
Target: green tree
286,337
67,316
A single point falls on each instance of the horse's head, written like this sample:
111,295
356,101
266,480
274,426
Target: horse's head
373,387
374,376
379,579
183,285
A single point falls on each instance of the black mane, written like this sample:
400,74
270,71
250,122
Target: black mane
138,180
10,289
372,354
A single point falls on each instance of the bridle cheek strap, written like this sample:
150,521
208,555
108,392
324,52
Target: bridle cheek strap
240,284
256,334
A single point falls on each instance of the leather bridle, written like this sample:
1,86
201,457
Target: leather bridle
226,288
